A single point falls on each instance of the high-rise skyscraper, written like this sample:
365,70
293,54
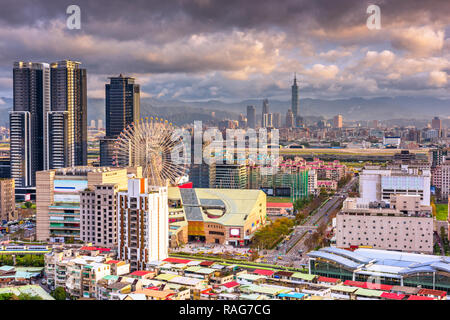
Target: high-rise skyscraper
31,87
294,99
267,120
251,117
265,110
122,109
276,120
289,119
436,123
337,121
67,119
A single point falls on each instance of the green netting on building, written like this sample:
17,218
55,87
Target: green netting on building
296,181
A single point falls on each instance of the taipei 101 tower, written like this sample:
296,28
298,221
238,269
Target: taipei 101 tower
295,101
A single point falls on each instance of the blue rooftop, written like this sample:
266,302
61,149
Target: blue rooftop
348,254
334,257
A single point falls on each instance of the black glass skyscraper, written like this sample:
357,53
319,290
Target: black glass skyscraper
122,101
31,90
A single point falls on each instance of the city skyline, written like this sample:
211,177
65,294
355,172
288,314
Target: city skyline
194,54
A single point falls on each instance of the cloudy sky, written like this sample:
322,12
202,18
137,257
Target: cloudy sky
238,49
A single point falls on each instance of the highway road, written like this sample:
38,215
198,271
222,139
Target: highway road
289,251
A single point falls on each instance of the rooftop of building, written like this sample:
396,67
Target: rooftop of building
82,170
382,262
223,206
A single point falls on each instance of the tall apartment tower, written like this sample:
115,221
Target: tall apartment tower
265,110
122,108
67,119
143,224
31,87
295,100
251,117
98,222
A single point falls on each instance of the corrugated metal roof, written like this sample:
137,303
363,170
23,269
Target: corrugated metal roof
333,257
348,254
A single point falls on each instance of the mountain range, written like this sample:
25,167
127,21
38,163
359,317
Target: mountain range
363,109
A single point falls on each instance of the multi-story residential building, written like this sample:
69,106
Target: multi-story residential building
143,223
82,274
441,178
404,225
98,219
122,109
7,200
67,119
119,268
31,87
60,266
58,199
377,184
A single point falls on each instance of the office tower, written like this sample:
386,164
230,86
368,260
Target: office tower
143,224
230,176
265,110
67,120
98,222
31,87
276,120
93,124
58,199
100,124
7,199
289,119
267,120
337,121
436,123
295,99
202,175
122,109
251,117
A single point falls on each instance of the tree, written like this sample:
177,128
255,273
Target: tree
26,296
59,293
323,193
6,296
28,204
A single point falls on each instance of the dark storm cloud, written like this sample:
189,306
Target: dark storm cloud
253,44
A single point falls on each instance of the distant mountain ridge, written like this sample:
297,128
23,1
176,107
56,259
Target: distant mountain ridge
180,112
